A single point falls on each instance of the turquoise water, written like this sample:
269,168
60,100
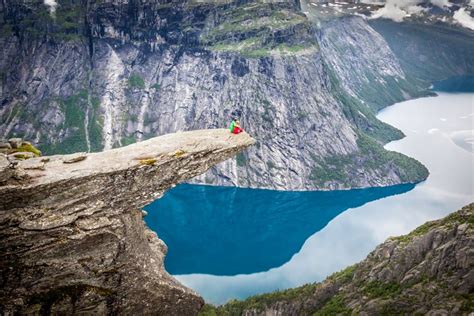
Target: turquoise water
455,84
228,243
229,231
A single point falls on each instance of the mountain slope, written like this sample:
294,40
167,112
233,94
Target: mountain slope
428,271
102,74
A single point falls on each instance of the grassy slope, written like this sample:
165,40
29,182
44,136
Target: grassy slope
362,287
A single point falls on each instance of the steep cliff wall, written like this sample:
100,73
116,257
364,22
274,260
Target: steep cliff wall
73,237
428,271
97,75
429,51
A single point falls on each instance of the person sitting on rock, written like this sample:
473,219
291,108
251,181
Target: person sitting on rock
235,127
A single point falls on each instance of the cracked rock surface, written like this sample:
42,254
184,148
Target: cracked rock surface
73,235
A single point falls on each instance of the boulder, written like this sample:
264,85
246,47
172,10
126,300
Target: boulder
31,164
21,155
5,145
74,157
4,163
15,142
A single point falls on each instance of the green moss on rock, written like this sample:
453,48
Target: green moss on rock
135,81
27,147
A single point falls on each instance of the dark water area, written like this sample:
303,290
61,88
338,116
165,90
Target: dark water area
230,231
455,84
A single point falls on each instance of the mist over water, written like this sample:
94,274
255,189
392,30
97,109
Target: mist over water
230,243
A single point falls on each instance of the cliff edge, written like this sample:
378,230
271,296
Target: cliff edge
73,237
427,272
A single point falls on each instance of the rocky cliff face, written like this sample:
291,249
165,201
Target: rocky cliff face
100,74
428,271
73,237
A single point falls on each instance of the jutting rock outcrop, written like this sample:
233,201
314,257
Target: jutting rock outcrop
427,272
73,237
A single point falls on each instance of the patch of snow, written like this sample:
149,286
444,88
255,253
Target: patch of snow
464,18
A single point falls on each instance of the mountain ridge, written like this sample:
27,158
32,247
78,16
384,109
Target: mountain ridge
427,271
130,71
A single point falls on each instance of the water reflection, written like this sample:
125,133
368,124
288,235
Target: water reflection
351,235
438,133
228,231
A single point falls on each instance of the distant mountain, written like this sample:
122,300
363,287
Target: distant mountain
93,75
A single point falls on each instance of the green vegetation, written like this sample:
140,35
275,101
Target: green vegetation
254,17
74,108
449,221
344,275
156,86
378,289
208,310
252,48
270,165
128,140
332,169
6,30
385,298
27,147
362,116
259,302
96,123
335,306
135,81
267,109
409,170
371,156
257,30
241,159
67,23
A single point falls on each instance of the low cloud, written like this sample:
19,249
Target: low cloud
397,10
52,4
464,18
441,3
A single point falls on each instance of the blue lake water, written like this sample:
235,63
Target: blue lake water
228,231
230,243
461,84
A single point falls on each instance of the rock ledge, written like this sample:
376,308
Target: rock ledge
73,236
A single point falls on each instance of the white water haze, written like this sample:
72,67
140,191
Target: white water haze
52,4
397,10
463,18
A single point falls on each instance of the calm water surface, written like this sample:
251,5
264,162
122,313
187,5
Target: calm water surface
231,243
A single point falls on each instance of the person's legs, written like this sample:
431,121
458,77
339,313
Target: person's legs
237,130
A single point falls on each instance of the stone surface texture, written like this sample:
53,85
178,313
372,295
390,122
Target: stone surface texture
73,236
427,272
